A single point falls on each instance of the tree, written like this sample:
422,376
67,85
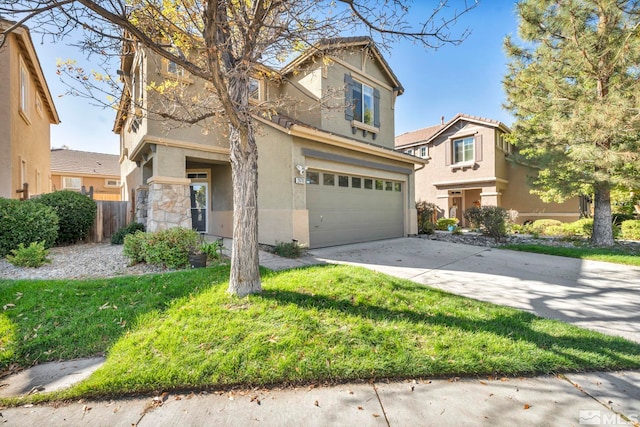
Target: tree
225,42
573,86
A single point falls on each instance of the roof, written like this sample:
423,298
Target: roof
340,43
23,38
84,162
427,134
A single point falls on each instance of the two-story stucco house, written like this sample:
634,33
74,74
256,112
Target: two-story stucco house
467,166
328,174
26,115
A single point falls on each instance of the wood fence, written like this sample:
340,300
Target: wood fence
110,217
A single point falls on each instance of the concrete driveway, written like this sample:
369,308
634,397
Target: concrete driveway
595,295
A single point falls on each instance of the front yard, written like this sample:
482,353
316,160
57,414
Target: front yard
319,324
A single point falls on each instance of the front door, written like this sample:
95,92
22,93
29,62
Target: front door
199,203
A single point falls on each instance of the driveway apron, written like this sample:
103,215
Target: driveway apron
592,294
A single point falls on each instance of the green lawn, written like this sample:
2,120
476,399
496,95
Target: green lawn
616,255
326,323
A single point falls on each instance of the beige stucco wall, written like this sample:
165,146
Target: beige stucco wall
24,137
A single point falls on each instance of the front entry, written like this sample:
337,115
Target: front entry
199,202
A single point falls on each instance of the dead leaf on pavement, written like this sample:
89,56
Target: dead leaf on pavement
360,408
316,403
527,406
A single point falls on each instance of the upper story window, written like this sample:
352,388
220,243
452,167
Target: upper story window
24,90
409,151
362,105
424,152
463,150
255,89
39,105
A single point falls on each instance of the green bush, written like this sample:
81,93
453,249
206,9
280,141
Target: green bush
33,255
288,249
26,222
444,223
76,211
630,229
169,248
425,211
555,230
580,228
118,237
539,225
213,250
473,215
494,221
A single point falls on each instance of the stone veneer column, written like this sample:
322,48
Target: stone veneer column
169,203
141,200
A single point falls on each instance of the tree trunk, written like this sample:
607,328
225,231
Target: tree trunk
602,227
245,267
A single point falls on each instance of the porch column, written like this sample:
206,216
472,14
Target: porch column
141,200
490,196
169,203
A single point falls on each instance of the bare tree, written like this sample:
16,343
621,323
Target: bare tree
225,42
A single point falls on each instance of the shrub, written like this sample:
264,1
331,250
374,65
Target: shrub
425,211
76,211
619,218
169,248
288,249
118,237
444,223
33,255
555,230
539,225
582,228
494,221
630,230
134,245
26,222
474,216
213,250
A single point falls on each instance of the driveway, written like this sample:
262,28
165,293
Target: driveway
592,294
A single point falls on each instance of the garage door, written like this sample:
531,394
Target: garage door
349,209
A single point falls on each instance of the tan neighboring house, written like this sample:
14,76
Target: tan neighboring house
467,166
73,170
327,176
26,114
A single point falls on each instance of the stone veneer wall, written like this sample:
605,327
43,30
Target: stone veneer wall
141,200
169,205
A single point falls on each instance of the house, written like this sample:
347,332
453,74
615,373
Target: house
467,165
26,114
328,174
96,172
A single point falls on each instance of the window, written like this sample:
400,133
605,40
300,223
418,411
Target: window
388,186
397,186
328,179
409,151
112,183
343,181
368,183
463,150
362,103
379,184
197,175
71,183
24,89
254,89
424,153
39,105
313,178
356,182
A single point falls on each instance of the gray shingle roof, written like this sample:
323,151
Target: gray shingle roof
84,162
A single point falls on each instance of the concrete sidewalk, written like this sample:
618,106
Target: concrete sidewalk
589,399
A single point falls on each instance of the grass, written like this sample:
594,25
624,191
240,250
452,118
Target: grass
320,324
614,255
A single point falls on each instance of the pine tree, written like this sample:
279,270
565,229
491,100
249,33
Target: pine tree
573,85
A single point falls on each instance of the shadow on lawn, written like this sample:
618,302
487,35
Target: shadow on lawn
509,323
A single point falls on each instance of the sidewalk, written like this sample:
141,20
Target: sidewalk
588,399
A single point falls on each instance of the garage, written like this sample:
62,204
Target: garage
347,208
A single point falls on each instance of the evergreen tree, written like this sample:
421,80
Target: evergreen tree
573,85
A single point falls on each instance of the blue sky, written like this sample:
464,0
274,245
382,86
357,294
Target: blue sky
444,82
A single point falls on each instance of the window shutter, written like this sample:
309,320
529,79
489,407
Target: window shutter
376,108
478,147
348,99
447,152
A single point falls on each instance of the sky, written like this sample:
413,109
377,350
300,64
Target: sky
452,79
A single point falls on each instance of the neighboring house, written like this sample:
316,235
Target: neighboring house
327,176
26,114
467,166
73,170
